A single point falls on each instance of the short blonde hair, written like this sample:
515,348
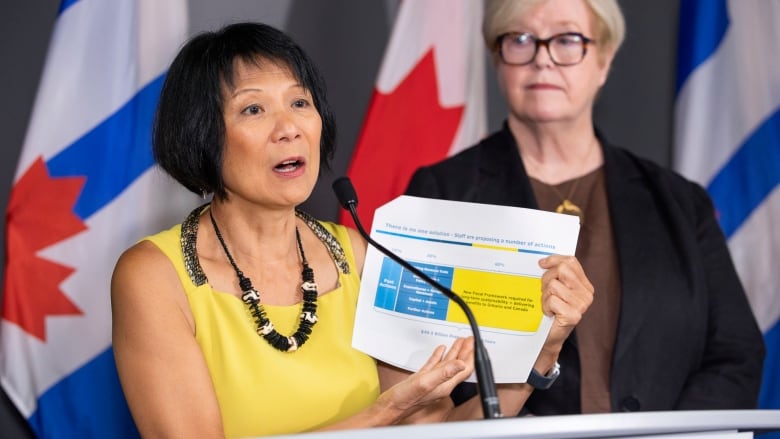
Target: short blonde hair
609,24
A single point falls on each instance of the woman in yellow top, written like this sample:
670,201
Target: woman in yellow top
238,322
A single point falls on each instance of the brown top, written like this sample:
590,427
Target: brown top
596,252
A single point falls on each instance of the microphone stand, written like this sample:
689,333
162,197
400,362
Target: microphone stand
345,192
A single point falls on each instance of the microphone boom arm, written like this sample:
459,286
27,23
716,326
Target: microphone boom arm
482,367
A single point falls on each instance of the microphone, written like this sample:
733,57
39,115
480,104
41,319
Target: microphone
347,196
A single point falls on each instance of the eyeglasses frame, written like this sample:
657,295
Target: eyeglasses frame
543,42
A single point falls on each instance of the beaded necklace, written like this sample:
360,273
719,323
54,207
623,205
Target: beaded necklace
251,298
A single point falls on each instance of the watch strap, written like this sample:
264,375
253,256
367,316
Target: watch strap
543,382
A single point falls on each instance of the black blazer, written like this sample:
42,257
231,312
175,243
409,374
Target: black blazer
686,336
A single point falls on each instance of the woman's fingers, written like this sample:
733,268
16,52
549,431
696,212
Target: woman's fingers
442,366
461,349
566,269
566,291
436,379
467,350
456,362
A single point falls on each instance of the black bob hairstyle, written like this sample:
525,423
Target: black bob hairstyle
189,129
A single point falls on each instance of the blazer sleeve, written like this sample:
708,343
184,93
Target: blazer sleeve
729,374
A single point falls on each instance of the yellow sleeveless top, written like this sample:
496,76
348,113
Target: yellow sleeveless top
263,391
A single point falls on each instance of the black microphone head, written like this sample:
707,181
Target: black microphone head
345,192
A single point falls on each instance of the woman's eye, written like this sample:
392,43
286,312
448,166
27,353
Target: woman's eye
301,103
568,40
522,40
252,109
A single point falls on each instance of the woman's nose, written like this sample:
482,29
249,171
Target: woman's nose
285,127
542,58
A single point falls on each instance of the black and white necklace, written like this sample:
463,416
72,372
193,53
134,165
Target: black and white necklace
251,297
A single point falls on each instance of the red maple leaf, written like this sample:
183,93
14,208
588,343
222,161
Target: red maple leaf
404,130
40,213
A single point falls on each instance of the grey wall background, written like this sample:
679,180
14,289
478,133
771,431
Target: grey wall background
346,38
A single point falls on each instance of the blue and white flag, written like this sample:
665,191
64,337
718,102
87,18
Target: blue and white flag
727,137
85,189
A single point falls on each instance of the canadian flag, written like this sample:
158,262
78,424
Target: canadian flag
429,100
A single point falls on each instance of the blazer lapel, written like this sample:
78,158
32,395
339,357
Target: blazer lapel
629,199
502,177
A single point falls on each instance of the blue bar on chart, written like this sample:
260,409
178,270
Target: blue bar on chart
402,291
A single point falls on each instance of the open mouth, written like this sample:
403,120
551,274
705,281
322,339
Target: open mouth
288,166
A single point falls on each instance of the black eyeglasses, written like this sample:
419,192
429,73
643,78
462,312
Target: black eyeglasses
565,49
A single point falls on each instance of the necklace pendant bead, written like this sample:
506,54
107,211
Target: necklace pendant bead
293,344
250,296
309,317
266,329
569,208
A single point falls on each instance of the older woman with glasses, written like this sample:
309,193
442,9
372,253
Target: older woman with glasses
670,326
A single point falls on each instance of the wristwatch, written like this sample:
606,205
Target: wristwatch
543,382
